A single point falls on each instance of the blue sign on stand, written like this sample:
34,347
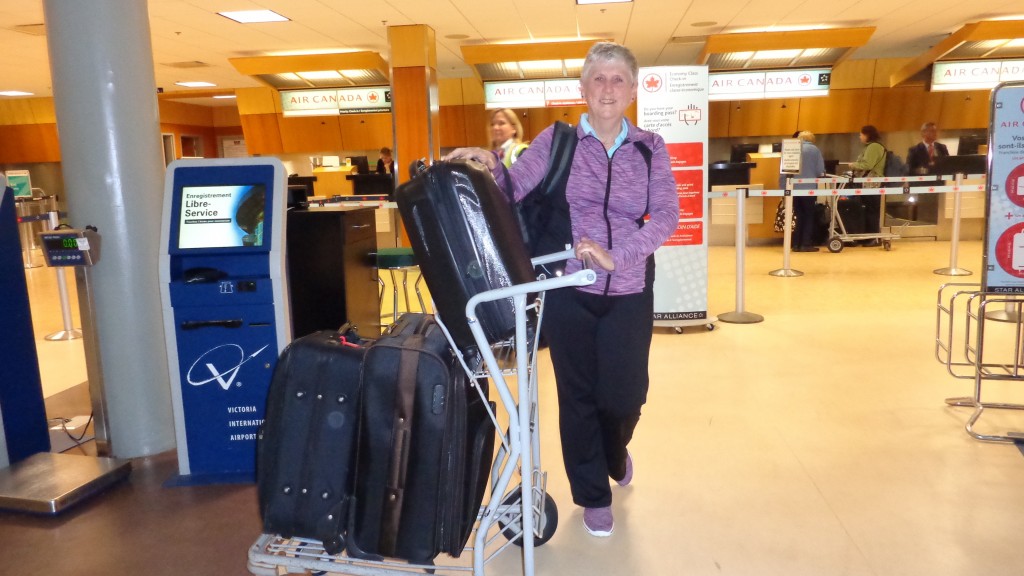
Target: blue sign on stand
1004,227
225,308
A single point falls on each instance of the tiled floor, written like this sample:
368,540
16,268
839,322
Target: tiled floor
815,443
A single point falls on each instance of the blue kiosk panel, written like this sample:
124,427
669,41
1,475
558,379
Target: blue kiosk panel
225,307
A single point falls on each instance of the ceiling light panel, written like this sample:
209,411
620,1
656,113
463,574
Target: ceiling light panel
254,16
195,84
763,55
729,60
820,56
282,81
15,93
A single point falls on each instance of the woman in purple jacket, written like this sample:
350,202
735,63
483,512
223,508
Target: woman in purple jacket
600,335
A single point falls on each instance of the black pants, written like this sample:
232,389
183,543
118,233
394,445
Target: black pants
803,233
600,346
872,213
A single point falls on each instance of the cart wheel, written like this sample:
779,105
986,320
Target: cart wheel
678,329
835,245
548,522
887,245
710,327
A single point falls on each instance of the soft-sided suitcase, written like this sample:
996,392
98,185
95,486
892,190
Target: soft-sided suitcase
425,448
466,237
851,210
307,444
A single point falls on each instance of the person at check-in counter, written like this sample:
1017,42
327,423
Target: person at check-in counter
600,335
870,163
921,157
812,165
385,164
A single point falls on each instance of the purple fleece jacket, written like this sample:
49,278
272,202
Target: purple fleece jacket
622,181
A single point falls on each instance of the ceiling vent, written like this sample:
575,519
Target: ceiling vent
30,29
187,64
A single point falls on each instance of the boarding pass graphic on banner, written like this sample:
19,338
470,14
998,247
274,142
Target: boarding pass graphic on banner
1004,235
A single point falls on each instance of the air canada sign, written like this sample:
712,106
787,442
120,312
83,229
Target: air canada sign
532,94
333,102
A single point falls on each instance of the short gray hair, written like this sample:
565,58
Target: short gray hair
806,136
607,52
928,125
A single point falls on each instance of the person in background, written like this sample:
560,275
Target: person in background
599,336
812,165
385,164
507,136
871,163
921,157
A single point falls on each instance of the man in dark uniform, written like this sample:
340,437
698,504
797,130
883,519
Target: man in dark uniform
921,158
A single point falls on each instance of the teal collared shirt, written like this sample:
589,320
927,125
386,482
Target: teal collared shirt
588,129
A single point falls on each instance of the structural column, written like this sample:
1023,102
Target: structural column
101,63
415,110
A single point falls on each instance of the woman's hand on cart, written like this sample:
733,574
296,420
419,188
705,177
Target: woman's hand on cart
591,253
485,157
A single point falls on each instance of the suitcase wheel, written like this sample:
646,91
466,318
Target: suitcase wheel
835,245
513,530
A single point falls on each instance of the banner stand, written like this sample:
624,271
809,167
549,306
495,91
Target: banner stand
954,241
787,236
740,315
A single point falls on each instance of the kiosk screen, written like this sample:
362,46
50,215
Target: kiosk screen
221,216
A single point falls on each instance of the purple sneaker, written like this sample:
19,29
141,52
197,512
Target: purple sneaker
599,521
628,476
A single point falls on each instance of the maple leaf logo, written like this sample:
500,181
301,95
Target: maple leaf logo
805,80
373,97
652,83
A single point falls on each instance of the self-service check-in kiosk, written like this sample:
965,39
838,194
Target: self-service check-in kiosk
225,307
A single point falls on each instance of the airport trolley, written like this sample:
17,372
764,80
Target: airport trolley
506,520
837,234
979,336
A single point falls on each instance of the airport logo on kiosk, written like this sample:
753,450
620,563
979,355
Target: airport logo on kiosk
652,82
213,361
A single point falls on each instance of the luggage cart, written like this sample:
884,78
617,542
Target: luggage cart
507,519
837,234
982,316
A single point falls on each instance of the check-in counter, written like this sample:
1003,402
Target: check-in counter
332,181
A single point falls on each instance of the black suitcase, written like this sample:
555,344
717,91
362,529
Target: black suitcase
425,448
851,210
307,444
466,237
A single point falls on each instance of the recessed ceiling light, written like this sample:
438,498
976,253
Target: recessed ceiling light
195,84
582,2
457,36
224,97
254,16
704,24
16,93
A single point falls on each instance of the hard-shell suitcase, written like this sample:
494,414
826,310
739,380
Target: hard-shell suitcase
307,444
466,237
425,448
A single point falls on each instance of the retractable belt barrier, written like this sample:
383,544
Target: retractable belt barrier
740,194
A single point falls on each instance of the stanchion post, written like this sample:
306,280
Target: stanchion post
787,235
69,332
954,241
740,315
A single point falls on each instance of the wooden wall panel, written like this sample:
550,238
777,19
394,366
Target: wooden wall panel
27,143
262,135
210,147
477,125
187,114
226,116
968,109
301,134
904,108
840,111
365,131
453,126
764,117
718,119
